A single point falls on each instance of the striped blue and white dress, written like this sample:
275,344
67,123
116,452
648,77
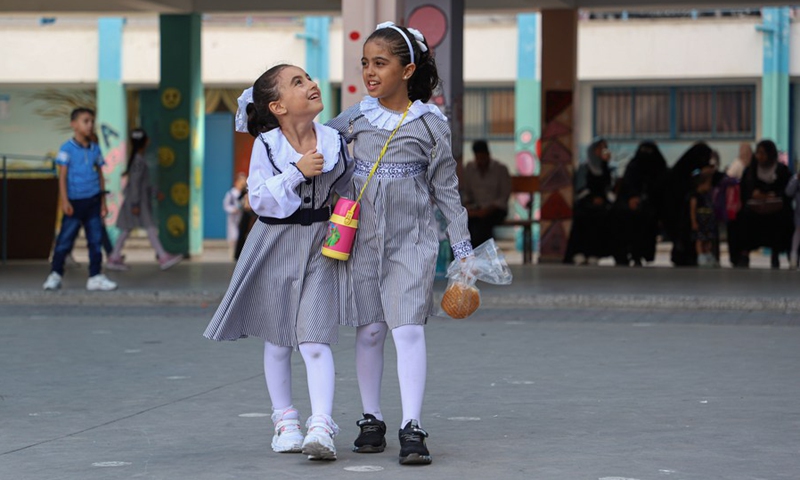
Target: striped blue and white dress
392,267
283,290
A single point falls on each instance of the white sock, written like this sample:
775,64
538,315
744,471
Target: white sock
369,365
412,365
278,374
321,373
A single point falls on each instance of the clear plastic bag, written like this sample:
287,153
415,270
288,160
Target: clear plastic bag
462,297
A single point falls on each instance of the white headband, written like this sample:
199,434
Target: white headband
240,122
417,36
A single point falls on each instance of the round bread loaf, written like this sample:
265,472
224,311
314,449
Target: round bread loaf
461,301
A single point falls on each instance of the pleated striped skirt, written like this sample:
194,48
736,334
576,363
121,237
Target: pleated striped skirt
282,289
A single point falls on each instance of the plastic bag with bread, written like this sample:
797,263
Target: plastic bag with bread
462,298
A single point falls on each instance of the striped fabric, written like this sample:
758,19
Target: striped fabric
283,290
392,267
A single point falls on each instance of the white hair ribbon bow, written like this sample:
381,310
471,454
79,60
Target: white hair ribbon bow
419,38
241,112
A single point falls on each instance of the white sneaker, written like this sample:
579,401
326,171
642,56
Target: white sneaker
169,260
579,259
288,438
318,444
100,282
53,281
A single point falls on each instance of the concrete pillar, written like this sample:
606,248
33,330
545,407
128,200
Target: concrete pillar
359,19
181,135
317,40
559,74
527,106
775,81
442,24
111,122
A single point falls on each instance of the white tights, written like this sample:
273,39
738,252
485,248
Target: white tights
320,374
152,235
409,341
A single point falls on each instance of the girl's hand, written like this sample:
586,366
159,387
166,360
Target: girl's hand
311,164
66,207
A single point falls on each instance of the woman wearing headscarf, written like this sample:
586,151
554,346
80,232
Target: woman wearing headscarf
589,236
677,219
766,215
639,206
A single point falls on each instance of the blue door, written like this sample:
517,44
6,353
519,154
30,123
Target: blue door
217,172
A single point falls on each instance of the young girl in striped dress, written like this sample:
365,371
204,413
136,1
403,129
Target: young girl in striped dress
283,290
393,262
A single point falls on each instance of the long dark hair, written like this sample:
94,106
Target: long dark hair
138,139
265,91
770,149
426,77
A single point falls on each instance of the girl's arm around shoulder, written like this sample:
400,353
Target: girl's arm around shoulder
342,122
272,195
343,186
443,184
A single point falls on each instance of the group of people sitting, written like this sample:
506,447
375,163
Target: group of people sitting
687,204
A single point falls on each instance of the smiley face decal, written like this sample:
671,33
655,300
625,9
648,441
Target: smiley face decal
180,194
166,156
176,226
179,129
171,98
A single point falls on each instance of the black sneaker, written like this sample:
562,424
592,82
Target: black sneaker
372,438
412,445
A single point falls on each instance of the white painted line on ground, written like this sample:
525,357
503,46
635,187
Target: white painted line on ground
465,419
44,414
177,377
364,468
110,464
616,478
253,415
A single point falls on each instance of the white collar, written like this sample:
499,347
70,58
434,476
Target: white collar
383,118
284,154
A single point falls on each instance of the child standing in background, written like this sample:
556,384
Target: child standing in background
232,204
704,222
81,186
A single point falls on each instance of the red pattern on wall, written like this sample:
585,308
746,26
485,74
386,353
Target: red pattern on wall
556,173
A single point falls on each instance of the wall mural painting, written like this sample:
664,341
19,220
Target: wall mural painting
556,174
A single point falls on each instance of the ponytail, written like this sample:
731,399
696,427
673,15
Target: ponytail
138,139
260,118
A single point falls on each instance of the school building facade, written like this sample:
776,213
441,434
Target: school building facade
723,76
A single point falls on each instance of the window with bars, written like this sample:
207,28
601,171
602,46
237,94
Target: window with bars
489,113
675,112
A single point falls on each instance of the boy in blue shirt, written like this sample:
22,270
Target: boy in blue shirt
81,187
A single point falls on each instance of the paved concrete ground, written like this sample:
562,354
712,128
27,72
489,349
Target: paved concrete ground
568,373
513,393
